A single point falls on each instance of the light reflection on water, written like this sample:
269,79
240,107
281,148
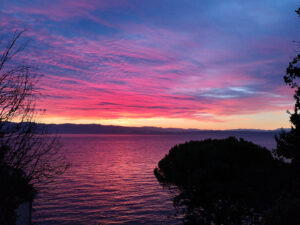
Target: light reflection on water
111,180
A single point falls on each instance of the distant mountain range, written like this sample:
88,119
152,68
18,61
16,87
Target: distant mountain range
108,129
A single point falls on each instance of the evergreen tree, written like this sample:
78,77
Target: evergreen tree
288,143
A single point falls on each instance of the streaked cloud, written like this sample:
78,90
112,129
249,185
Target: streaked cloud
203,61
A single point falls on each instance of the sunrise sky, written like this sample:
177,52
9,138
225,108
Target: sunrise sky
203,64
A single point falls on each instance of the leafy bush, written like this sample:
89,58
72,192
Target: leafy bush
223,181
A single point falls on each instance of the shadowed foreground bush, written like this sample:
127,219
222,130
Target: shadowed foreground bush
14,190
225,181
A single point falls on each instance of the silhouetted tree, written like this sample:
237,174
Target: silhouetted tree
288,143
27,154
28,147
286,209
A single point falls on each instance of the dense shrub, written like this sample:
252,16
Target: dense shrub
223,181
14,190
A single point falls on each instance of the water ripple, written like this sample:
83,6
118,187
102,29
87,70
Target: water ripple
111,181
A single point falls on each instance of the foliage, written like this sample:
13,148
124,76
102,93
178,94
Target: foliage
288,143
225,181
14,189
284,212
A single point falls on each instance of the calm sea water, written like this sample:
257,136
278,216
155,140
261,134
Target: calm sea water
111,180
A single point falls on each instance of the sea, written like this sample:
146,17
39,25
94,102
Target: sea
111,180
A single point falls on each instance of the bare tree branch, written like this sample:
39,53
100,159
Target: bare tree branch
24,143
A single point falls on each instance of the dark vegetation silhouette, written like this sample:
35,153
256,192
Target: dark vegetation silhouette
226,181
28,156
233,182
288,142
286,209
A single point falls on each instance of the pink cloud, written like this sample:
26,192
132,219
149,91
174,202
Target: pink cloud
117,76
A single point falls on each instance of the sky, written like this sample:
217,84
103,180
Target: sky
169,63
